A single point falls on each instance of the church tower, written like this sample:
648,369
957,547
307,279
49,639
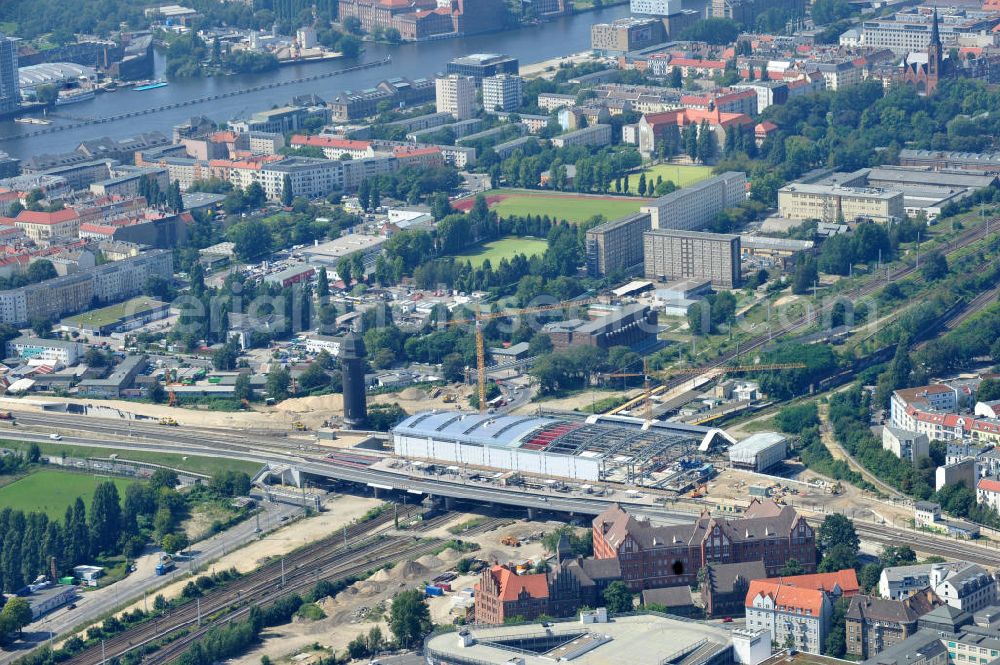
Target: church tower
934,56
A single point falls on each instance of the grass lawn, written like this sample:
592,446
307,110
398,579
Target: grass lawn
682,176
570,207
205,465
52,491
505,248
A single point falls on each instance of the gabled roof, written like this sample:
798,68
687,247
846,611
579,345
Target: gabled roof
873,608
841,582
57,217
513,586
787,598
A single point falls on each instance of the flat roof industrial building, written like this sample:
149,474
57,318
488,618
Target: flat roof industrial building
758,452
643,639
593,449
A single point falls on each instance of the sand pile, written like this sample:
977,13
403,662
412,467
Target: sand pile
381,576
411,570
413,394
429,561
450,555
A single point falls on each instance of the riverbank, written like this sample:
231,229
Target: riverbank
548,68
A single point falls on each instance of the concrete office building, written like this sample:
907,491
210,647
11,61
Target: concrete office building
616,246
10,90
46,350
692,254
456,95
831,203
656,7
502,93
481,65
693,208
626,34
910,31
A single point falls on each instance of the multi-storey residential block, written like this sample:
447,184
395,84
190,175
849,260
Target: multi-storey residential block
595,135
656,556
875,624
905,445
456,95
44,226
695,207
334,148
616,246
309,177
502,93
793,615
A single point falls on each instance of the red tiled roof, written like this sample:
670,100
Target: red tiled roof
846,579
98,228
789,597
57,217
330,142
402,151
989,485
513,585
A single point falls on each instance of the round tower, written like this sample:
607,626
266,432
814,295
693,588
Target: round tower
352,362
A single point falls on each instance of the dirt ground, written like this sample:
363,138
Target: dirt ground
574,402
313,411
366,604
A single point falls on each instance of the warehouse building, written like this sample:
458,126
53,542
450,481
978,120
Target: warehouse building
692,254
642,639
616,246
758,452
832,203
579,450
631,325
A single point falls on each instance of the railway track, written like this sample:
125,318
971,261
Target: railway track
955,550
967,237
393,550
357,547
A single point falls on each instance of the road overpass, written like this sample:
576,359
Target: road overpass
302,462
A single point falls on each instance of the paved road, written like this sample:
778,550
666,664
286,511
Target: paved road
93,604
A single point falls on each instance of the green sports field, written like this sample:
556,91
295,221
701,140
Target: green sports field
681,175
571,207
504,248
52,491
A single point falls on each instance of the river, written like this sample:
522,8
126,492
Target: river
570,34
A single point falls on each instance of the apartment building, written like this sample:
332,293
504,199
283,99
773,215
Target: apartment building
335,148
910,31
456,94
10,86
792,615
658,556
874,624
356,104
481,65
968,588
617,246
502,93
905,445
626,34
670,255
123,279
693,208
595,135
43,226
309,177
833,203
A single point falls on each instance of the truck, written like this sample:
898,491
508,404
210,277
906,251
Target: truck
168,421
6,415
165,566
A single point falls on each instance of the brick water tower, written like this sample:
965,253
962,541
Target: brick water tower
352,362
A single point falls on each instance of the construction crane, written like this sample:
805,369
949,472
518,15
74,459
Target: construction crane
480,317
647,392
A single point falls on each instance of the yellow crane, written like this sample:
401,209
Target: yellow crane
647,392
480,317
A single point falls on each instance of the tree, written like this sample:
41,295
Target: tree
243,390
278,380
791,568
869,577
286,191
836,639
164,478
806,275
254,197
40,270
441,206
322,284
251,240
618,598
897,555
935,266
453,367
175,201
839,557
16,613
344,270
365,194
352,24
106,518
409,618
41,327
174,542
837,529
676,78
989,390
